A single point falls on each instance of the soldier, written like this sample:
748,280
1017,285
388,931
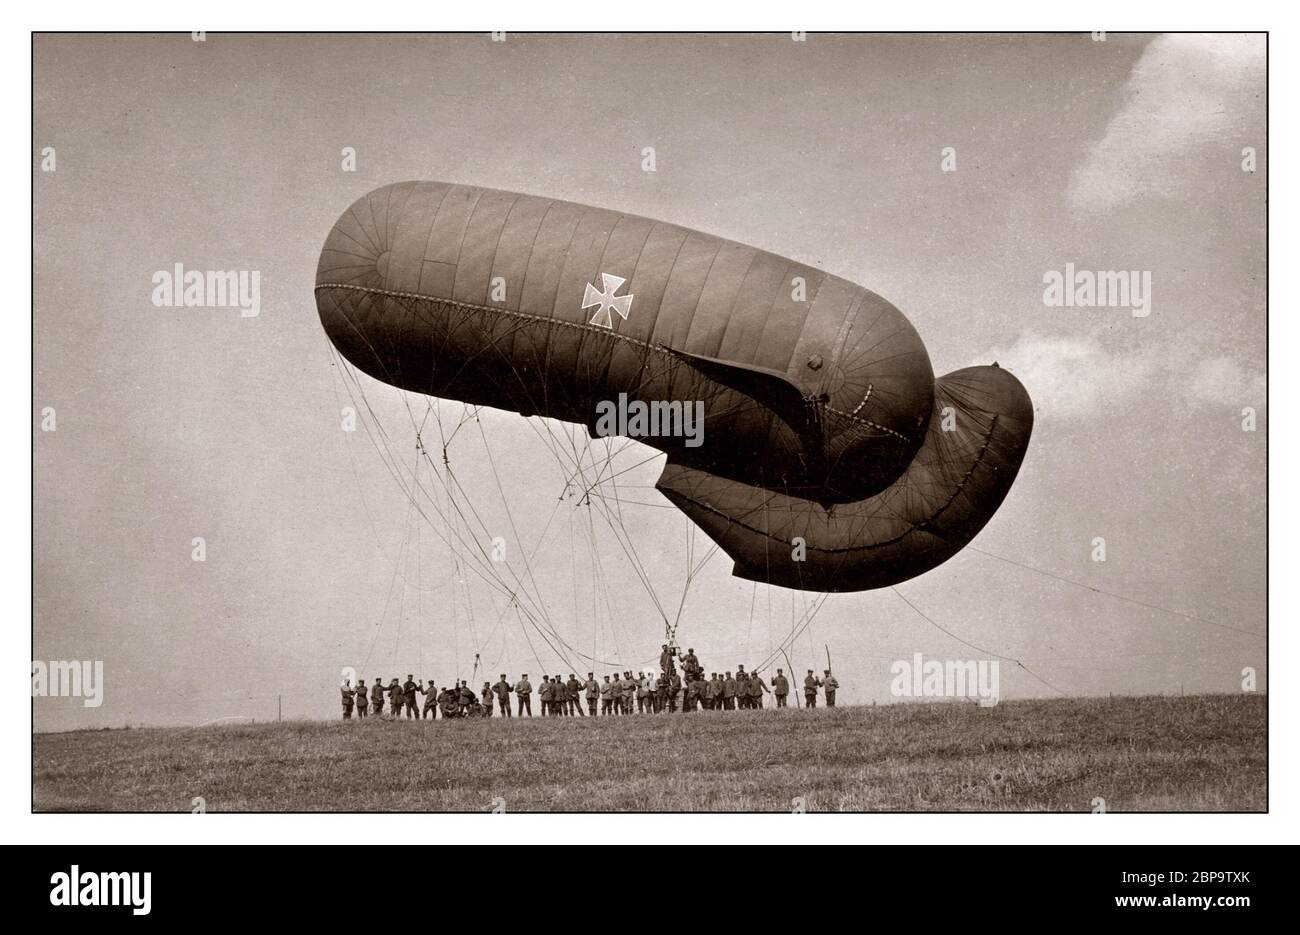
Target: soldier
691,665
524,693
348,699
449,702
629,691
666,660
642,693
672,691
742,688
593,693
728,693
607,698
409,688
575,696
830,686
544,693
465,697
486,697
363,701
377,698
756,688
430,709
780,688
502,689
560,697
394,698
810,684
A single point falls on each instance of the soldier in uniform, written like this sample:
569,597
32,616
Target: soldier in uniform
409,688
486,698
544,693
524,693
430,708
810,684
377,698
742,688
830,685
780,688
348,699
502,689
394,698
756,688
666,660
691,665
592,688
629,692
728,693
575,696
607,698
363,700
465,697
671,692
449,701
642,693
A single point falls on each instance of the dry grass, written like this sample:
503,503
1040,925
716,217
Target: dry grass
1205,753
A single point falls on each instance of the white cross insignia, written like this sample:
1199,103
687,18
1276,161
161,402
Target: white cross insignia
607,301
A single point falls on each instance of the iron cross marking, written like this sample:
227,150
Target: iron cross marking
607,301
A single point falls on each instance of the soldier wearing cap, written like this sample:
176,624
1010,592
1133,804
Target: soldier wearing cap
606,697
544,695
377,698
363,700
756,688
464,697
430,709
691,665
830,685
810,685
780,687
395,698
728,693
574,695
666,660
502,690
629,692
591,688
524,694
408,695
672,691
348,699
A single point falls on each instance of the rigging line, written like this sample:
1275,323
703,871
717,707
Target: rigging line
624,471
536,597
1119,597
978,649
374,639
795,632
390,460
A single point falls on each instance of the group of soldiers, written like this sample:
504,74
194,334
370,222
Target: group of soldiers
619,693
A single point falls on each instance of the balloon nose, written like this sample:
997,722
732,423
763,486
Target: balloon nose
359,247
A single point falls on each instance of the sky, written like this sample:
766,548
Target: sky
227,154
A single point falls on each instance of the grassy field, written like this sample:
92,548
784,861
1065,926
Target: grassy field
1205,753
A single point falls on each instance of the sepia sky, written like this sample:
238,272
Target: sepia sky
176,423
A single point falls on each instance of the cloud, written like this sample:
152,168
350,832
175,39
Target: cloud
1185,92
1078,378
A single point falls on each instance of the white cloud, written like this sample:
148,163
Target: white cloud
1186,91
1077,378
